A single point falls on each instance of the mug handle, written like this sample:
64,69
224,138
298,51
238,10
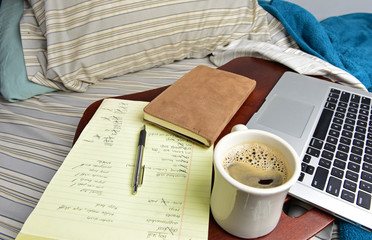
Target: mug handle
313,219
239,127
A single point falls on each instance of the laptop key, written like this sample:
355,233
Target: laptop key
337,172
361,130
334,185
344,148
355,158
359,136
301,177
352,176
349,127
367,158
313,152
361,123
364,200
350,121
367,167
355,98
325,163
330,147
334,133
309,169
352,186
353,110
363,116
366,176
364,112
366,100
320,178
345,141
338,121
345,96
332,99
348,196
332,140
340,115
351,115
323,124
347,134
369,134
365,186
341,155
354,105
327,155
316,143
340,164
353,166
358,143
307,158
357,150
368,150
342,104
330,105
341,109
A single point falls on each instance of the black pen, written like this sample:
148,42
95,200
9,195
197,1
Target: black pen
138,169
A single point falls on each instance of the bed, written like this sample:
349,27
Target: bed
58,57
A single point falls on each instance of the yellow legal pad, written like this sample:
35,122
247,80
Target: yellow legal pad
90,196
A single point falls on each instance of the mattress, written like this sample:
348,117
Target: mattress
37,129
37,134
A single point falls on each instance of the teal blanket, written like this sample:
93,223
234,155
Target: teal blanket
344,41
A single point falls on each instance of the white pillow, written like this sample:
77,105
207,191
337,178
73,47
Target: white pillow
91,40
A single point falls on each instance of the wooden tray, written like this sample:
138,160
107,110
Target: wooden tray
266,74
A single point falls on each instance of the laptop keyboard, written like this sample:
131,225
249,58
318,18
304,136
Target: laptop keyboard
339,156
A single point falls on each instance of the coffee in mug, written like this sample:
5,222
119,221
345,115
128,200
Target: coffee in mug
257,164
254,171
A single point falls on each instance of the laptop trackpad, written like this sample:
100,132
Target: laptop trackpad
286,115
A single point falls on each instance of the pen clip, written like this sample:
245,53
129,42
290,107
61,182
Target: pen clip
142,173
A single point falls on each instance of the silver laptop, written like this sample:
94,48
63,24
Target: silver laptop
330,127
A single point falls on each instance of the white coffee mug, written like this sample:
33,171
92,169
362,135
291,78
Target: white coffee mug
244,211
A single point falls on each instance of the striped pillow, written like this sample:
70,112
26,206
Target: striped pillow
91,40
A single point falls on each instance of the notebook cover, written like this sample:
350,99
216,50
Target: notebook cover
201,102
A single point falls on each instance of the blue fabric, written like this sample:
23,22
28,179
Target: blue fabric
14,85
344,41
349,231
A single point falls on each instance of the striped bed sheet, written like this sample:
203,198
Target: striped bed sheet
36,135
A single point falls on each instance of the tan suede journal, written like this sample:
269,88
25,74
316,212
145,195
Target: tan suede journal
200,104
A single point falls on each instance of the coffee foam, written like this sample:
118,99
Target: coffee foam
256,162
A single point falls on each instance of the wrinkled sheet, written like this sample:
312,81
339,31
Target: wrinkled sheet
343,41
36,134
